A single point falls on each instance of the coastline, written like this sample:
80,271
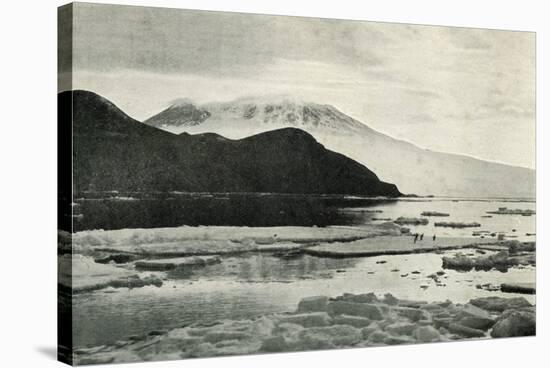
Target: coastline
146,256
320,323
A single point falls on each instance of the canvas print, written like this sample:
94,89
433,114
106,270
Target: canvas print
244,184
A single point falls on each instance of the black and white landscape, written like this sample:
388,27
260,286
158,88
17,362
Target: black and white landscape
240,184
417,170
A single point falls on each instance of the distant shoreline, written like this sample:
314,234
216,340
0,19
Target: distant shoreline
313,195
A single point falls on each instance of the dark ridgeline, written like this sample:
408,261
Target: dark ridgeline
112,151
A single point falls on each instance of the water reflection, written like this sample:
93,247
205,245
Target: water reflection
246,287
146,211
256,284
265,267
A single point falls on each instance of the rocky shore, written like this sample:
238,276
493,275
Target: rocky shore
320,322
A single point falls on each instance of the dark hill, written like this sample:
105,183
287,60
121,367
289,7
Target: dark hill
112,151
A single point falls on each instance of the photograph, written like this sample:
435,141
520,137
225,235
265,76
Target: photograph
235,183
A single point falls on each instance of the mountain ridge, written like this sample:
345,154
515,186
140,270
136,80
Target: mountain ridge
112,151
415,169
180,113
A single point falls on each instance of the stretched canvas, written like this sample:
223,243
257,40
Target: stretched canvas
245,184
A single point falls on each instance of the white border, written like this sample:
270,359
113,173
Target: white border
28,154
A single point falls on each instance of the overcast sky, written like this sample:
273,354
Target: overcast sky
459,90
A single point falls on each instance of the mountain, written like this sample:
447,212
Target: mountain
413,169
112,151
181,113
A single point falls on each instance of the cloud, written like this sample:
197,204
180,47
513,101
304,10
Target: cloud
213,43
421,119
508,109
423,93
437,85
469,39
492,110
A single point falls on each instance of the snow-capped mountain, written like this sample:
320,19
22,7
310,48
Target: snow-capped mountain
285,111
413,169
180,114
253,115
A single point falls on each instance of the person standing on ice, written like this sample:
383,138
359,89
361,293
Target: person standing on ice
421,236
415,237
434,238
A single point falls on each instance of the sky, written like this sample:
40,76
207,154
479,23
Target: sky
458,90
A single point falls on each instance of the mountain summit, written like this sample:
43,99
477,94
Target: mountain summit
414,169
260,114
180,114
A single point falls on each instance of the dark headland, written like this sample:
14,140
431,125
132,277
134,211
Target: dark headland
112,151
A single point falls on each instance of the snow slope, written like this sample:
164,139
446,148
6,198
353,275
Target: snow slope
413,169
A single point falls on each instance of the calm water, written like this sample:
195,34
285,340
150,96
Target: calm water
146,211
247,286
512,226
244,287
132,210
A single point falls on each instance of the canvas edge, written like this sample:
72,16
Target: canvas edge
64,181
